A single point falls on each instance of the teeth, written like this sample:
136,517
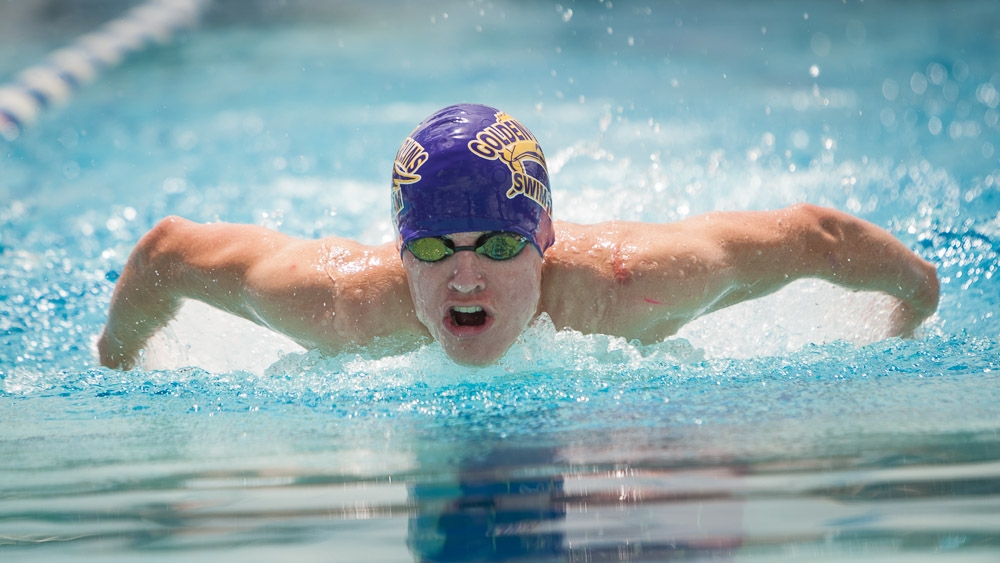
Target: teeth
475,309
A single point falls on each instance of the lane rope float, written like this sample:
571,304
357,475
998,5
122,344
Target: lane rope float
52,82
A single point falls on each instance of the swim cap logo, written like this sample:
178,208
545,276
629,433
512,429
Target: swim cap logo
512,143
409,159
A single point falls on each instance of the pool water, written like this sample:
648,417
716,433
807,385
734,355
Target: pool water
783,429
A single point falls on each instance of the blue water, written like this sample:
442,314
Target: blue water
784,429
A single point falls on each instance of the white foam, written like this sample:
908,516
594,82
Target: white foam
806,312
803,313
216,341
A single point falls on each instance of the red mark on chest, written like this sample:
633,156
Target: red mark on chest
653,301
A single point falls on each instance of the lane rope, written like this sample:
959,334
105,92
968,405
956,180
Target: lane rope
52,82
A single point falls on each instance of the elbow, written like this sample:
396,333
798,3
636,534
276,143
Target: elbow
821,232
161,236
823,227
156,249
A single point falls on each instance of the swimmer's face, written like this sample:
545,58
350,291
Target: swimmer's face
474,306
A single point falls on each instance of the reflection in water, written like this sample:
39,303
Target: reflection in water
493,511
498,509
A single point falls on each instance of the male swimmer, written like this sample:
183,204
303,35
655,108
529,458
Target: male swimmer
477,257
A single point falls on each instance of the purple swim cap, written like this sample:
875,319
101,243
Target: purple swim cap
471,168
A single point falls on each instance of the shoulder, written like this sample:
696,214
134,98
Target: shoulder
349,267
613,248
368,288
346,260
637,280
333,292
581,274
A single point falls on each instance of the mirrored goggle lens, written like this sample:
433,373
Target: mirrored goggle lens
430,249
500,246
497,246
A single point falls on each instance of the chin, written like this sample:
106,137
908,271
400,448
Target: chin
473,357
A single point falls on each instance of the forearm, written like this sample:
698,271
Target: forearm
806,241
142,303
245,270
662,276
132,320
859,255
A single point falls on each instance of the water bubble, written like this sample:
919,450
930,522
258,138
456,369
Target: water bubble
853,204
936,73
887,116
934,125
252,125
114,223
69,138
71,170
186,140
991,117
890,89
301,164
988,95
174,185
820,44
960,70
918,83
856,32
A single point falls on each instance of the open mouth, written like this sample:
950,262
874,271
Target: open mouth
468,316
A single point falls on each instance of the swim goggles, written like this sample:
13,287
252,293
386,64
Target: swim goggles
495,245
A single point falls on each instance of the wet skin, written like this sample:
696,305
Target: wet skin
639,281
475,307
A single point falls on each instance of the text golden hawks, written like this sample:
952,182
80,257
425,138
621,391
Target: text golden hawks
510,142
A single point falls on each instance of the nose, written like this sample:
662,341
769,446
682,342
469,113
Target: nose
466,277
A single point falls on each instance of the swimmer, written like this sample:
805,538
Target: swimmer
477,257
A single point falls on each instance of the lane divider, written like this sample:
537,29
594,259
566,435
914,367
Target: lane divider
65,70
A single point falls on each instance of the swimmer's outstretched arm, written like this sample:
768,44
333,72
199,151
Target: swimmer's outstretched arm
323,294
807,241
653,278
